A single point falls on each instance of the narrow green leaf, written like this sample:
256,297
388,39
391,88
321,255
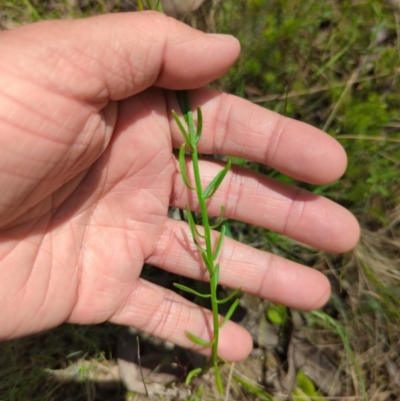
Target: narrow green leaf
140,5
193,373
233,294
228,232
277,314
216,182
215,276
229,313
220,219
33,11
191,291
192,226
199,124
218,379
199,341
183,131
182,166
149,4
193,229
254,389
159,7
207,263
306,385
219,243
184,103
192,223
192,132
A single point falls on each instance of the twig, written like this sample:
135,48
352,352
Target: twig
140,365
228,384
316,89
369,138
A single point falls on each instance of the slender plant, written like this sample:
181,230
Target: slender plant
202,238
209,250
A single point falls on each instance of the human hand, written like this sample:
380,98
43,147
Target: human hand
88,175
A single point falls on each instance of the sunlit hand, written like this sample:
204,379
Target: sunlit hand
87,175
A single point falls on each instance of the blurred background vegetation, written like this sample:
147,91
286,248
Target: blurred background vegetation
335,65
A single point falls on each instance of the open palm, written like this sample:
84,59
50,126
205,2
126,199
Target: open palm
89,174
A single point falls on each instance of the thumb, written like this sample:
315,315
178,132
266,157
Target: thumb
118,55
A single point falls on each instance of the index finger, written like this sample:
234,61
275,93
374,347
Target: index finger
236,127
114,56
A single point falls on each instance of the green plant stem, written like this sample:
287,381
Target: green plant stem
209,255
203,241
209,251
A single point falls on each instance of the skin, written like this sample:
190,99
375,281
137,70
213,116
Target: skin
88,174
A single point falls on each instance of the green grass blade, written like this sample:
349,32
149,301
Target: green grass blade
230,312
184,104
254,389
220,219
199,124
193,231
219,243
193,373
199,341
333,324
140,5
218,379
182,166
191,291
216,182
183,131
207,262
34,13
192,224
233,294
332,60
228,232
159,7
216,276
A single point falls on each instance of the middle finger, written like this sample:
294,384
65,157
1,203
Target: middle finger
259,200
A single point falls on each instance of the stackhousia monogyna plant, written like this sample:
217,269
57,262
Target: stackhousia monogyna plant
202,237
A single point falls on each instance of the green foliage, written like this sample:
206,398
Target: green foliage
150,5
386,301
276,314
209,251
306,390
254,389
323,319
315,48
25,362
